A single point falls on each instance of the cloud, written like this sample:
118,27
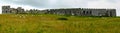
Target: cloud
105,4
49,3
102,4
65,4
0,7
34,3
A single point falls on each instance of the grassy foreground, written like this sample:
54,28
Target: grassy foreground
49,24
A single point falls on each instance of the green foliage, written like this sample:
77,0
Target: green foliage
62,19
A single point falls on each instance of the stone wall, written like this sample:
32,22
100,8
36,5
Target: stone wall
6,9
63,11
83,12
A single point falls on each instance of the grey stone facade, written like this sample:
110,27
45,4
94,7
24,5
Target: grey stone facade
83,12
67,11
8,10
20,10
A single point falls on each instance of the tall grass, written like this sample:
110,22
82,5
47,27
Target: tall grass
29,23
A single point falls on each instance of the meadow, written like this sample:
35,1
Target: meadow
41,23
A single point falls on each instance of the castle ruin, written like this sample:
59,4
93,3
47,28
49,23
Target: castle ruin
83,12
8,10
67,11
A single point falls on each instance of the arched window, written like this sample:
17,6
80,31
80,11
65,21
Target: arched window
83,12
87,12
90,12
6,12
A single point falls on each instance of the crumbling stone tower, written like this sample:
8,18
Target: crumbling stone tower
20,10
6,10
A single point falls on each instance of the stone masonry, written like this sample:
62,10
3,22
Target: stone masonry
83,12
63,11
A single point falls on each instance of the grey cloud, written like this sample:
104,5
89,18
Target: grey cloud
49,3
64,3
35,3
113,1
52,3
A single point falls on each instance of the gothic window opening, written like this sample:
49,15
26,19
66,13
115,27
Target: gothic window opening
83,12
87,12
90,12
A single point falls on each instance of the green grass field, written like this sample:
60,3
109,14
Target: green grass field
26,23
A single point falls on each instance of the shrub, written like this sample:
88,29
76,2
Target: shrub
62,19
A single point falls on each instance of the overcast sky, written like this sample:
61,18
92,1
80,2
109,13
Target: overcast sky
43,4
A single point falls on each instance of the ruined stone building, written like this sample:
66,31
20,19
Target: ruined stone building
8,10
32,11
67,11
83,12
35,11
19,10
